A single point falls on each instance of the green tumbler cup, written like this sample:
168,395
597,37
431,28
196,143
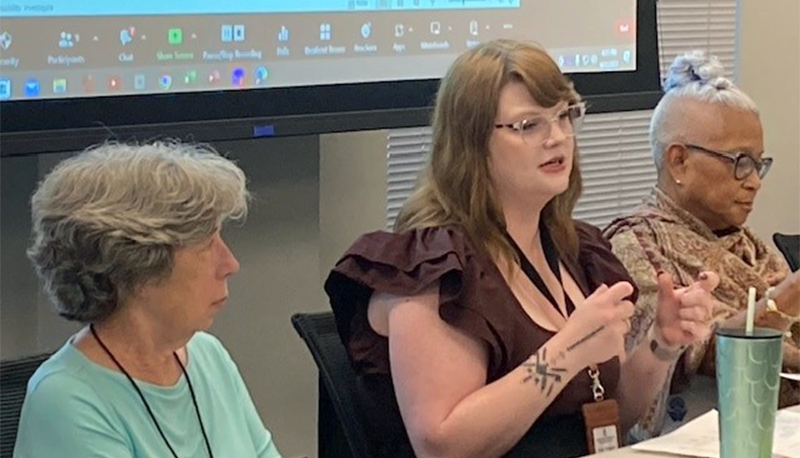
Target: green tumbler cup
748,379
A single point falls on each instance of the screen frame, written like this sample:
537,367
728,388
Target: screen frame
54,125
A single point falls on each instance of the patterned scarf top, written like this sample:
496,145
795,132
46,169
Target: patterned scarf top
675,241
662,236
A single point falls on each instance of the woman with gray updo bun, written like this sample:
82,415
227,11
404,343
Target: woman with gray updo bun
127,241
708,147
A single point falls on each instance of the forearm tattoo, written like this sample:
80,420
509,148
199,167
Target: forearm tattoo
585,338
543,373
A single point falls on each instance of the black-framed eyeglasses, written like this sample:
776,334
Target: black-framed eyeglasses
536,130
743,164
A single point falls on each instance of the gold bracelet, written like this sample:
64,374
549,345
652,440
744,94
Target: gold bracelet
773,307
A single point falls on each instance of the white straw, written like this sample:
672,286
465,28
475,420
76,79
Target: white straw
751,310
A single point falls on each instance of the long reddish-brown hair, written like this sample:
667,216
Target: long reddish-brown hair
455,187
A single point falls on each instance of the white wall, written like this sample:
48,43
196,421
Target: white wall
352,191
278,249
769,71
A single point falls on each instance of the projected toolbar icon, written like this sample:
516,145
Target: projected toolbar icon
261,74
226,33
624,27
165,82
175,36
59,86
32,87
68,39
5,40
5,88
283,34
325,32
238,32
237,76
190,77
127,35
232,32
114,82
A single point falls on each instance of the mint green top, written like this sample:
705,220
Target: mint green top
77,408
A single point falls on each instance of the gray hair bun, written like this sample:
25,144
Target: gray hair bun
696,66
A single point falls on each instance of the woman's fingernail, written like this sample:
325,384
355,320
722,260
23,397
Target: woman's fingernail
703,276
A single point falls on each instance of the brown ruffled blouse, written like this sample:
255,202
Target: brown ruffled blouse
475,299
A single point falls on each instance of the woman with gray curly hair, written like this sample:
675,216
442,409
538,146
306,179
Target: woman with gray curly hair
708,146
127,241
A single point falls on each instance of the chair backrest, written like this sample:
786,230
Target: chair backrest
338,388
14,376
789,245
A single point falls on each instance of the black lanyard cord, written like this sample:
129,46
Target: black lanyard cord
552,258
147,406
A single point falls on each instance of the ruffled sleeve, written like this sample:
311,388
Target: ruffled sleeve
407,264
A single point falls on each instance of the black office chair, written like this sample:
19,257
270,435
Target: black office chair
789,245
340,426
14,376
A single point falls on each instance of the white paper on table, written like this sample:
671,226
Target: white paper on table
789,376
787,434
697,438
700,438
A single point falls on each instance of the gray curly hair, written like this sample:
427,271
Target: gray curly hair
695,76
109,220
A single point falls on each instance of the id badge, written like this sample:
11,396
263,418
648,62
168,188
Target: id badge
602,422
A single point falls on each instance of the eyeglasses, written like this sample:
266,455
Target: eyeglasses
743,163
537,130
